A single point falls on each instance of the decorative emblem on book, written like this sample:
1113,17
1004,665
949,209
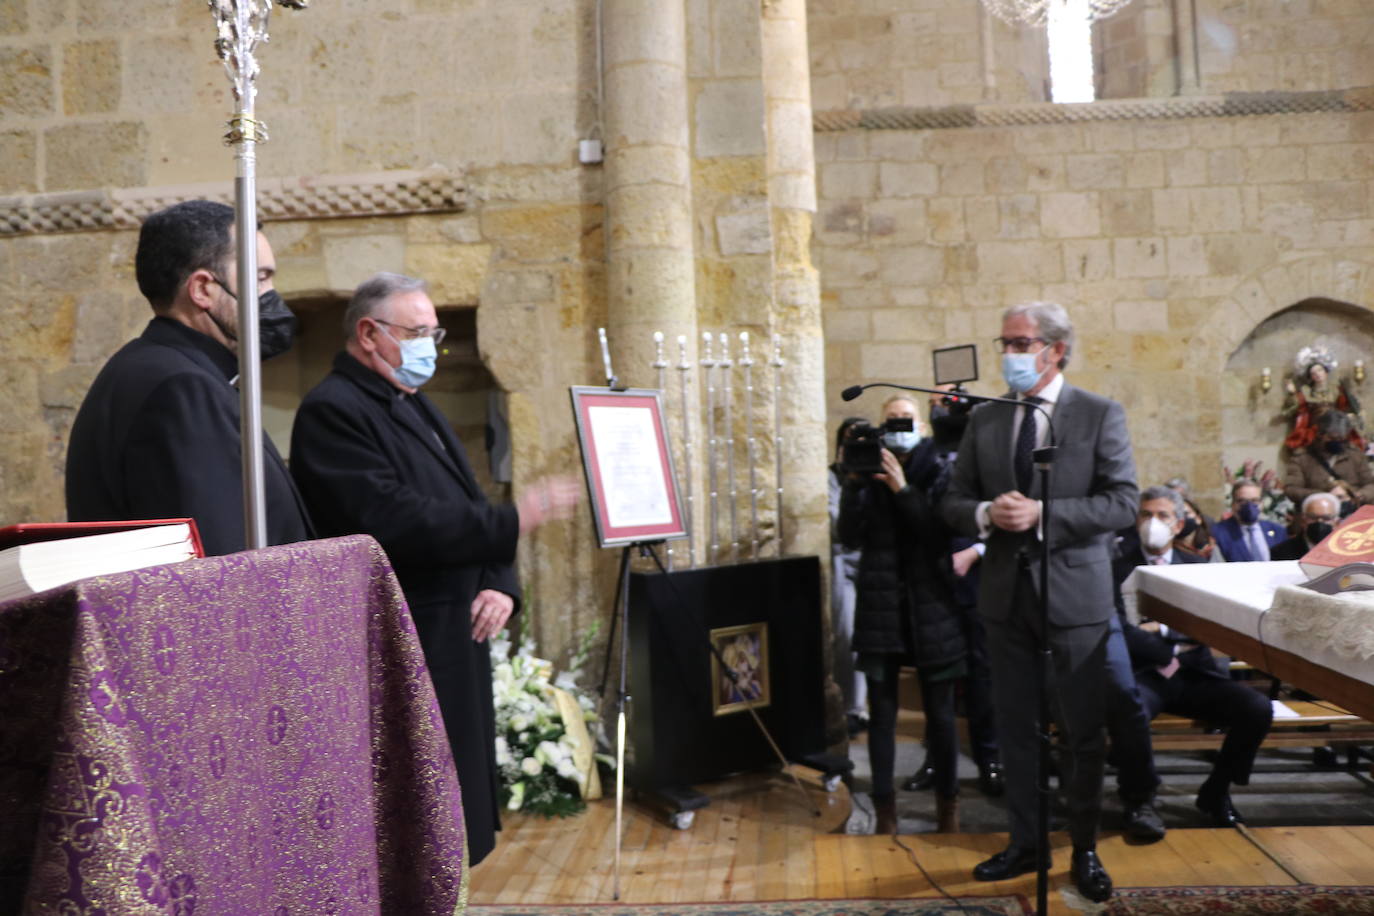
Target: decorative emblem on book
1353,540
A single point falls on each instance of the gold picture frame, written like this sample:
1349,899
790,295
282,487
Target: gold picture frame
745,648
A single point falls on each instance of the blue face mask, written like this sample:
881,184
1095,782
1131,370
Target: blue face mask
1019,371
418,357
902,441
1248,513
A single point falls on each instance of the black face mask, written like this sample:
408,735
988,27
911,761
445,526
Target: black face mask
1334,446
1317,532
276,323
1189,526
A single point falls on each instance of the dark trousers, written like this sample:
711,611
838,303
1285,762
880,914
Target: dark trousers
1128,724
942,737
982,729
1077,698
1246,714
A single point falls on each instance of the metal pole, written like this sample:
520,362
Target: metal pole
661,365
728,394
707,364
777,364
241,25
746,362
684,367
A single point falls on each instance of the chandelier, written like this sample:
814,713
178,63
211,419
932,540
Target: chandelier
1038,12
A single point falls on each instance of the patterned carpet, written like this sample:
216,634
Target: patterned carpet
1298,900
968,906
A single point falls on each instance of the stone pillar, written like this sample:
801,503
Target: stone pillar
650,274
797,292
1185,47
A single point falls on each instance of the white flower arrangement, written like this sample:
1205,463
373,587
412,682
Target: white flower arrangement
535,750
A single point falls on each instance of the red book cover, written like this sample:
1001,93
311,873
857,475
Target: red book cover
33,532
1352,541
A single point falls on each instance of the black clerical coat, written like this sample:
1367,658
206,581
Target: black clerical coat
157,436
372,460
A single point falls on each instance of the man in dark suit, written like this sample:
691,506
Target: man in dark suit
1128,716
157,435
373,455
1320,512
1179,676
1245,537
993,493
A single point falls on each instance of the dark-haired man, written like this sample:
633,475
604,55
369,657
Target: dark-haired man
158,433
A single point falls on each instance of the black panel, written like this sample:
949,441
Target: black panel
674,738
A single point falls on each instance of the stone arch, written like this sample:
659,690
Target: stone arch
1261,324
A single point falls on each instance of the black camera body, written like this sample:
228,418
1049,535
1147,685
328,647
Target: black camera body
862,452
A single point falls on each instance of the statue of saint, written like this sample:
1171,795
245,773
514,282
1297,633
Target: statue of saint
1312,392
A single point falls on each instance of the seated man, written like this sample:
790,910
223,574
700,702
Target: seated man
1320,512
1245,537
1178,676
1330,465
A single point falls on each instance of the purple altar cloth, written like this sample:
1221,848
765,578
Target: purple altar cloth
251,734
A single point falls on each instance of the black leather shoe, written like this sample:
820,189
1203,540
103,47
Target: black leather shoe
1143,823
1219,810
855,724
990,781
1089,876
1008,863
921,780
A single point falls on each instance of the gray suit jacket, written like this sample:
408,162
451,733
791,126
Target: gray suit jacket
1094,494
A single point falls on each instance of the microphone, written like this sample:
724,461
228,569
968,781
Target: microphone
853,391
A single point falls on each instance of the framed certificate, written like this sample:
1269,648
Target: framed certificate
629,466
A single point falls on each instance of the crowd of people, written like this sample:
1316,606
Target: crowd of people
936,565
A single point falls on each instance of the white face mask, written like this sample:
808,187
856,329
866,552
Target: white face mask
902,441
1154,534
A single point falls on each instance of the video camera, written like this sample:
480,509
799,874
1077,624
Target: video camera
862,450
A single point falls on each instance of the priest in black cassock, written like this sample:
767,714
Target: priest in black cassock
372,455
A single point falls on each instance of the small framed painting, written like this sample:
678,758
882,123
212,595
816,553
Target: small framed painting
745,650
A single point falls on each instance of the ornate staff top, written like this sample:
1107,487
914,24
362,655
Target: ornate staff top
241,26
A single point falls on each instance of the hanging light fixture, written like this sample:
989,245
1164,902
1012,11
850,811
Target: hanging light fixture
1037,12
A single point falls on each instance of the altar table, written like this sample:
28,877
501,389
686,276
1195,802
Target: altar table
255,734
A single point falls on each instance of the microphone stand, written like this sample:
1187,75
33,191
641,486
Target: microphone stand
1043,459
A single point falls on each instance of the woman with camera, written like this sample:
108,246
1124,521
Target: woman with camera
904,613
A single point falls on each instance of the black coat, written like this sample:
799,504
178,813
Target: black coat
904,604
372,460
158,437
1150,651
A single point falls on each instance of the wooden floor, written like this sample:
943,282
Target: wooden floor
758,841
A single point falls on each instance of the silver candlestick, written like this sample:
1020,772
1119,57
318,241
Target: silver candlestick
777,363
683,367
707,364
746,362
241,25
661,365
728,394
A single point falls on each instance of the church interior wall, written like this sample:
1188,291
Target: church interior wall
1151,231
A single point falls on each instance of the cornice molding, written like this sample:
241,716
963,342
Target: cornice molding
1239,104
377,194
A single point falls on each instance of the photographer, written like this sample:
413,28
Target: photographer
904,612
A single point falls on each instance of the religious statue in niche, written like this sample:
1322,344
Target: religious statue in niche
1312,391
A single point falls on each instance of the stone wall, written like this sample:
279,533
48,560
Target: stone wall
1263,45
1169,241
106,105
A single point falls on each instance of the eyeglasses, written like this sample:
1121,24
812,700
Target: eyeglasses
416,333
1016,344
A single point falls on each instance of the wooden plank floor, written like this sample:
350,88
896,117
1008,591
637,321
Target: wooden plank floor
758,841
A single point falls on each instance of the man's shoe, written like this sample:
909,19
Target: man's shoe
884,815
855,724
921,780
1008,863
990,781
1089,876
1143,823
1219,810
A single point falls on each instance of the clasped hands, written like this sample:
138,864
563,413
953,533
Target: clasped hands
1014,511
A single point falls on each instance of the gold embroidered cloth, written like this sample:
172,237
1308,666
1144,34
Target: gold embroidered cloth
255,734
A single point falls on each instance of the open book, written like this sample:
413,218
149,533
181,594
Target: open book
36,557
